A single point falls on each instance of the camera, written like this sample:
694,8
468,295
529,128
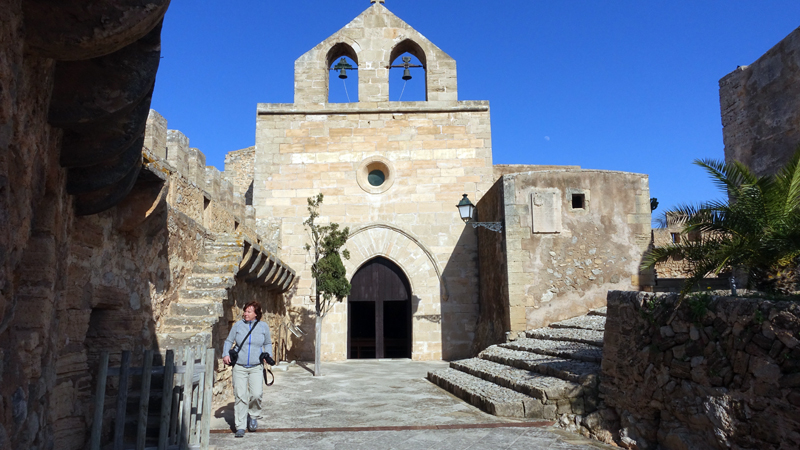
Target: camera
265,357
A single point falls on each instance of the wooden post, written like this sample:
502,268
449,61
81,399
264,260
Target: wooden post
99,401
166,400
122,400
205,428
187,400
195,406
175,420
144,400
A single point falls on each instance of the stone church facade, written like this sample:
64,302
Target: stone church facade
117,236
427,154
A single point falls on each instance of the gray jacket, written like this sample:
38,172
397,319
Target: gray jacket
258,342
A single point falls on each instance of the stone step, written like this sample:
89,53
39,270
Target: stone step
178,340
568,334
483,394
224,242
561,349
203,267
598,311
201,309
209,281
597,323
220,257
582,372
556,395
188,323
202,294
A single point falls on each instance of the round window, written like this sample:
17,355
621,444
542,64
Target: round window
375,175
376,178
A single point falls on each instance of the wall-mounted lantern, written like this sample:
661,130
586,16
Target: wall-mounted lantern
467,212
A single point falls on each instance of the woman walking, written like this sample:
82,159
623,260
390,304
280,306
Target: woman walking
251,338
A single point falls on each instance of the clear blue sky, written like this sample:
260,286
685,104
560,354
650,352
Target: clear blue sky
614,85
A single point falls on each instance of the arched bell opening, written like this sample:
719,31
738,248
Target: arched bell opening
379,312
408,81
342,63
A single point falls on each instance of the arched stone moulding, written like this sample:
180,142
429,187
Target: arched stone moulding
400,246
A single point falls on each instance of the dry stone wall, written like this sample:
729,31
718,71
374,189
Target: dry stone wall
722,373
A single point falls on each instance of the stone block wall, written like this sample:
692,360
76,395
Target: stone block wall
722,373
35,219
760,107
431,155
564,256
670,268
239,168
493,322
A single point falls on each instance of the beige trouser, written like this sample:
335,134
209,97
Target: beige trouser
247,388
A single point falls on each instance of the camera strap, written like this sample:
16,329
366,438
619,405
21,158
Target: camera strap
266,369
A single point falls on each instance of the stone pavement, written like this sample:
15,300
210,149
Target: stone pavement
369,404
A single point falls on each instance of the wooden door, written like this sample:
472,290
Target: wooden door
379,312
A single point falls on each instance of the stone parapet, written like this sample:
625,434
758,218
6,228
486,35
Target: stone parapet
215,192
373,107
718,373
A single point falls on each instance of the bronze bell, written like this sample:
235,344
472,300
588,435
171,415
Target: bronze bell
343,73
406,74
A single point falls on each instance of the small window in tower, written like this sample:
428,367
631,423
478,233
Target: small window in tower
675,237
578,201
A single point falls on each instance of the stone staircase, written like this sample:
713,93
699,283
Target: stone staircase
200,299
552,374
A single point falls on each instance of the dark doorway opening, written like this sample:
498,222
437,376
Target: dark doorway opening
379,312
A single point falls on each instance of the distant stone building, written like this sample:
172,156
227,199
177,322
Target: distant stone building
760,107
394,171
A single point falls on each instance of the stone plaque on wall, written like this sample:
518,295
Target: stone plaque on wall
546,211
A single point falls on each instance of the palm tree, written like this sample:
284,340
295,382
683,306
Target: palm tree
757,229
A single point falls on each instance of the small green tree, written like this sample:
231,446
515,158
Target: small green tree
756,229
328,271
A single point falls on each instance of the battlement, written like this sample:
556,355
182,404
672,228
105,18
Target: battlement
170,148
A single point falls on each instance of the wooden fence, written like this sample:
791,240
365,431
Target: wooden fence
185,396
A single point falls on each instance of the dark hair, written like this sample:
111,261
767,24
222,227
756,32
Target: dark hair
256,309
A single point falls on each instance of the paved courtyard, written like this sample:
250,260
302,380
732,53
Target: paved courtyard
380,404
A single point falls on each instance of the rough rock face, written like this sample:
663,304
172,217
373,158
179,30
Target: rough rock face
724,373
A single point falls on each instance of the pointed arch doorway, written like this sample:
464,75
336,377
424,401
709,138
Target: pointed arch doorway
379,312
